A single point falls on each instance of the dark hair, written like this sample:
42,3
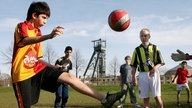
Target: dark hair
68,48
183,62
126,57
38,8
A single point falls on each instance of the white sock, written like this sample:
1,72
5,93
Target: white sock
104,99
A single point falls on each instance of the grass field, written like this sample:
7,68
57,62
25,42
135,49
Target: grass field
77,100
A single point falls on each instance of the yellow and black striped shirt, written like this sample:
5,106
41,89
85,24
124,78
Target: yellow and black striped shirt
146,58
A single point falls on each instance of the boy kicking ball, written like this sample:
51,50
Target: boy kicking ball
30,73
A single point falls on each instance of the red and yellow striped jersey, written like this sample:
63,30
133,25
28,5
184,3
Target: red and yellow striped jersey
25,62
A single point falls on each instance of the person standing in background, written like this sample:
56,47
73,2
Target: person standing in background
66,66
126,81
182,74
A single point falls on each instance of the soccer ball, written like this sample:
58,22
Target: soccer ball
119,20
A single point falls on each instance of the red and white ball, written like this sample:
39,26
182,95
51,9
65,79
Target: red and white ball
119,20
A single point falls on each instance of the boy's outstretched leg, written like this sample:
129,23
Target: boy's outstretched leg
107,100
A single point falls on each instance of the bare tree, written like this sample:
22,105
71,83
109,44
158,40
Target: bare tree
6,56
114,67
50,55
78,61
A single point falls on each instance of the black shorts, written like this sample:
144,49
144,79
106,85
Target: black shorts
27,92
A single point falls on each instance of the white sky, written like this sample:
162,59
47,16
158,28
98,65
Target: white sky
170,22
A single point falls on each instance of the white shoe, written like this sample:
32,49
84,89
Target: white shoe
120,106
137,105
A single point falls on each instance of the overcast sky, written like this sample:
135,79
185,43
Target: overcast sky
170,22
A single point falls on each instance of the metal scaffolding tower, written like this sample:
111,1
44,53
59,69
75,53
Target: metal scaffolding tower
97,60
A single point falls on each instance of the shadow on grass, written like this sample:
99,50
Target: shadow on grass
68,106
166,105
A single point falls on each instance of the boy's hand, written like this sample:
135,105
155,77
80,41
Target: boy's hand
58,66
152,72
173,81
56,31
134,80
179,56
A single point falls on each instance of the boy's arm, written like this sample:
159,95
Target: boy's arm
155,68
120,71
134,79
180,56
31,40
188,75
48,64
174,78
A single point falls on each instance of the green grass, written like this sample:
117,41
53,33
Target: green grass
77,100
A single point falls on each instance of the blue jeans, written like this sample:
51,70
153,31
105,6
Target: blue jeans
61,94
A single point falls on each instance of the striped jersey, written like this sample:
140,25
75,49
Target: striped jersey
25,57
145,58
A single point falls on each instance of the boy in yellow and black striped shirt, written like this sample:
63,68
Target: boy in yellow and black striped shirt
147,58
